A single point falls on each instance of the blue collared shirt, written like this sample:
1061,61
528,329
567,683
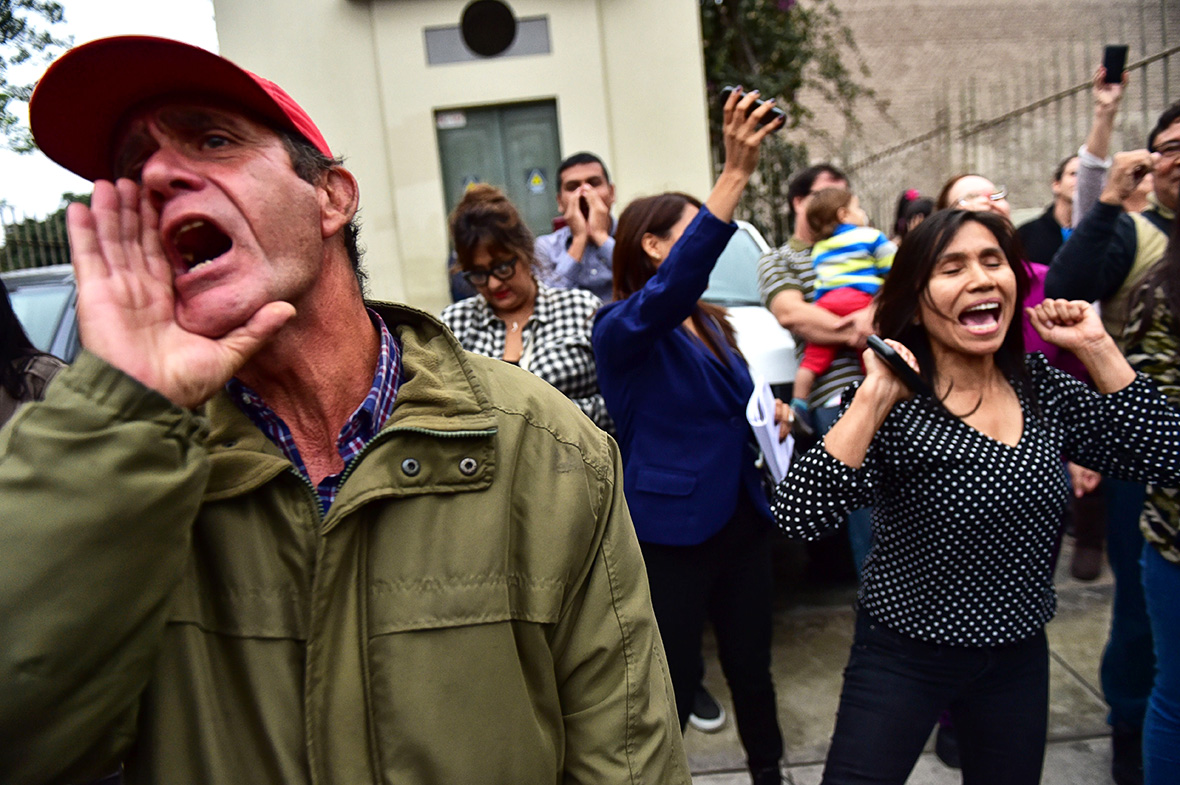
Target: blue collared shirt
362,426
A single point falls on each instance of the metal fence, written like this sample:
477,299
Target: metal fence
973,131
32,242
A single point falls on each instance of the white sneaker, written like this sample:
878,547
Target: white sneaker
707,715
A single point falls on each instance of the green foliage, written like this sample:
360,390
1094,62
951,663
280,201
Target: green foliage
25,40
783,48
37,242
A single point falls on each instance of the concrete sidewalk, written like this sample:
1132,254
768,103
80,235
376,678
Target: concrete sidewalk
812,636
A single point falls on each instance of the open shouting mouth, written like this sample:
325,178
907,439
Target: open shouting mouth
981,317
198,242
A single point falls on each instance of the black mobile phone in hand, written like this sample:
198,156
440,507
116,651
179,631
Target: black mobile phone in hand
1114,60
770,116
898,365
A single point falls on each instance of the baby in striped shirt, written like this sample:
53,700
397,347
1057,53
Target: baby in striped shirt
851,260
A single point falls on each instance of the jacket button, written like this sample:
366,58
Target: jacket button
468,466
411,467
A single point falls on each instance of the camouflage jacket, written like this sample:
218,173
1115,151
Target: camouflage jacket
1156,353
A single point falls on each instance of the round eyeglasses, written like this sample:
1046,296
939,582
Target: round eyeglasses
501,270
998,195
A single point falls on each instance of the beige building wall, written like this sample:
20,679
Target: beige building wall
359,68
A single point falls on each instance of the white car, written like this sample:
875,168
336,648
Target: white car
768,347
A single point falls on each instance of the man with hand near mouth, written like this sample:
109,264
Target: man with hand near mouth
578,255
263,531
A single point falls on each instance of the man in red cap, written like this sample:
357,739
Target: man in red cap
264,532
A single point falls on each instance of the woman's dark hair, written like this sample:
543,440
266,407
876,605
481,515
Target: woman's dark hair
1162,280
633,267
15,347
485,217
907,286
823,211
922,207
907,196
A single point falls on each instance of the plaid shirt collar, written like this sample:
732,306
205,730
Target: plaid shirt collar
362,426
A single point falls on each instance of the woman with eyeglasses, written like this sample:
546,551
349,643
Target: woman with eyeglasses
975,193
514,316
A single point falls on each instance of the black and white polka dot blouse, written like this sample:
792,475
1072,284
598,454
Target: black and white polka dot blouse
964,526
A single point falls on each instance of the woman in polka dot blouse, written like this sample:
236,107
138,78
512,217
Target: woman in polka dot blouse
967,489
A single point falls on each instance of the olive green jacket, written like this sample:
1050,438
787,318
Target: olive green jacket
472,609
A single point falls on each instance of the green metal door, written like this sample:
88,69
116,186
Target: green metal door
514,147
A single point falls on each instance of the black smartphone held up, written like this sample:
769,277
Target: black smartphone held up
898,365
770,116
1114,60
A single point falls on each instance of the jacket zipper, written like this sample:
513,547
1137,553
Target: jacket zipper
315,494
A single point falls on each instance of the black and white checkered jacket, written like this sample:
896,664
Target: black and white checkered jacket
556,342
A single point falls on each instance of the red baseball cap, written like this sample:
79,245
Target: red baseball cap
85,94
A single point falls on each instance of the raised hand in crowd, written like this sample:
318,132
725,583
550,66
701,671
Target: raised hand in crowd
743,141
1107,97
598,223
1074,325
1093,154
592,226
1126,172
576,221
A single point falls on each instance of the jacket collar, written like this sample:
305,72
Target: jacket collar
439,393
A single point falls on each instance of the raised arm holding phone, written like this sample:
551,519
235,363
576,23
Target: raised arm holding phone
677,387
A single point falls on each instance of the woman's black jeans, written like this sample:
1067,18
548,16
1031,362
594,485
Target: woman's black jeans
896,686
728,578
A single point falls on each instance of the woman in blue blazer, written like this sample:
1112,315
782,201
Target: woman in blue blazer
677,386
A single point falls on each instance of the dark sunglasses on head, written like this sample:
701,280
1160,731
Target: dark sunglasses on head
502,270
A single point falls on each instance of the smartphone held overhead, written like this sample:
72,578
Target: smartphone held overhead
769,117
1114,60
